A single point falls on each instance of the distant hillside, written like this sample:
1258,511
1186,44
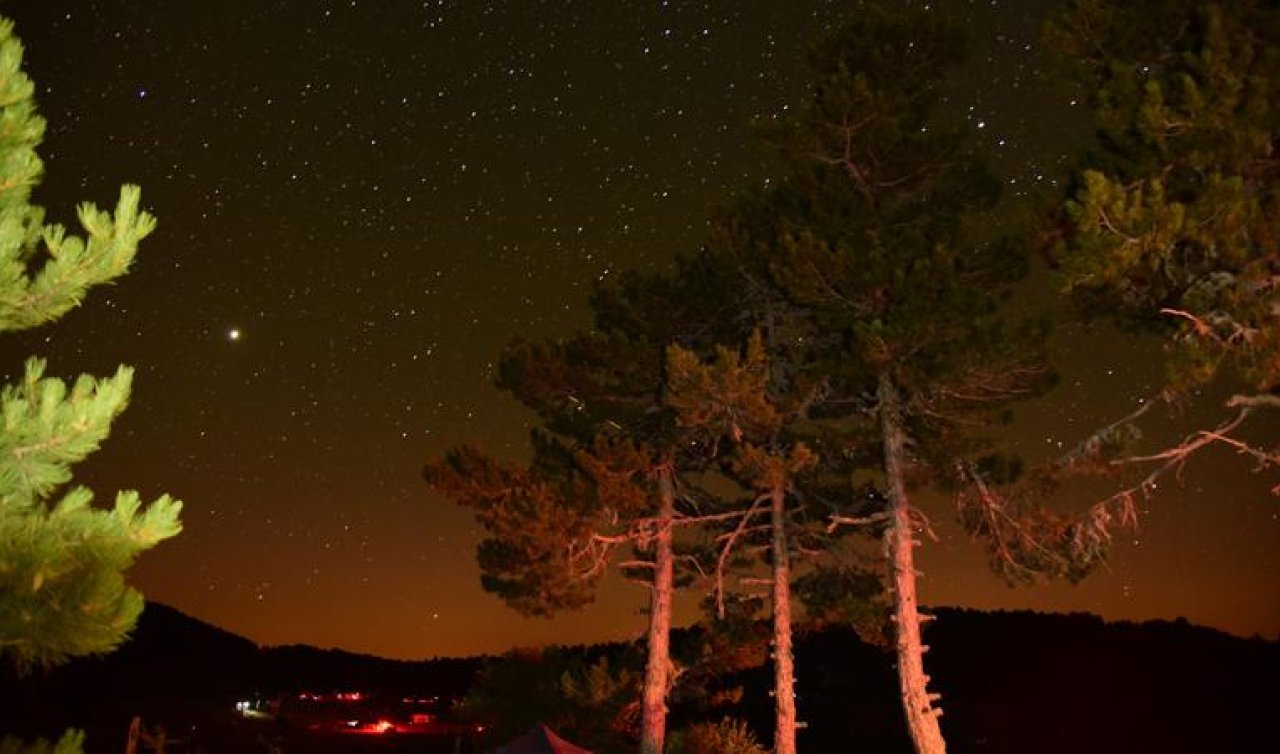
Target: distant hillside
186,672
1011,683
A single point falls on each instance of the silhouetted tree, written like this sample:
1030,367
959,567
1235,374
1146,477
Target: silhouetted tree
588,695
553,530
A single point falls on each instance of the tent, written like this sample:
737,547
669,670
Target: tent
540,740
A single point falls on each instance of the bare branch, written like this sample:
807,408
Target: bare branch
1216,326
756,507
636,564
920,522
1009,536
707,518
1264,400
1173,459
838,521
1030,542
743,530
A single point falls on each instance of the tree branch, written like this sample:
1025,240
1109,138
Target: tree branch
756,506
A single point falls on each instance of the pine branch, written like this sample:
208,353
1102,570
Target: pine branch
1011,537
1091,448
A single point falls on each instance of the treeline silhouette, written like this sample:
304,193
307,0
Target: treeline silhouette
188,675
1033,683
1012,683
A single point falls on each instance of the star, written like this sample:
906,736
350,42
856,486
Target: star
233,334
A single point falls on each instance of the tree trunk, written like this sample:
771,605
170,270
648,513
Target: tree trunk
784,735
135,727
922,716
653,714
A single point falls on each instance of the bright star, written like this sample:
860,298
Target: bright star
233,334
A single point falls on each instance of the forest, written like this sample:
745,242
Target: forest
750,425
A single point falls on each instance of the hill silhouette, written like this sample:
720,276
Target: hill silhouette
188,674
1011,682
1033,683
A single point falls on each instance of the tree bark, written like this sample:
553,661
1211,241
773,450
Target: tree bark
784,735
653,714
922,715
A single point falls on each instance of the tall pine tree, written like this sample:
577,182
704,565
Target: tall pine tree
889,286
729,399
608,474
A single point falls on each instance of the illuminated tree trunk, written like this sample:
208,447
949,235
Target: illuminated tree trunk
784,736
653,720
917,702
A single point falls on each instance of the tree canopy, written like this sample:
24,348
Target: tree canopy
1175,216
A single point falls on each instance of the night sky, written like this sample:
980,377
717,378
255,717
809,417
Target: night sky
361,202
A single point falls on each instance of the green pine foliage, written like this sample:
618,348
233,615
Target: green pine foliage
1175,217
68,264
1171,224
538,554
71,742
62,561
875,251
728,397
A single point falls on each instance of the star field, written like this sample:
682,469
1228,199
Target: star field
361,202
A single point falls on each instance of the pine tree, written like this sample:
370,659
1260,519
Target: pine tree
62,588
729,399
868,269
1171,226
612,467
889,287
542,554
603,479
